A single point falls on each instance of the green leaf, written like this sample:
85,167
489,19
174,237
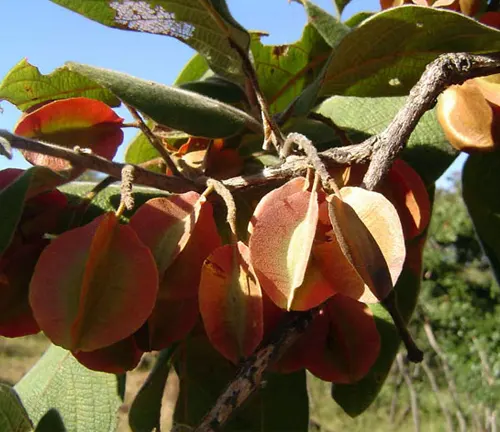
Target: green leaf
356,398
375,60
280,405
24,86
13,196
480,182
106,201
329,27
284,71
12,204
13,416
51,422
205,25
358,18
140,150
427,151
195,69
341,4
217,88
145,411
87,400
171,106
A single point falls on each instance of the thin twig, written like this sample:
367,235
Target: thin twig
249,376
446,70
411,390
154,140
228,199
307,146
272,132
98,163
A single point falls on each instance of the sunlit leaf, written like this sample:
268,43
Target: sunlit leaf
231,302
280,246
385,64
467,118
205,25
330,28
195,69
82,122
84,398
285,70
166,224
25,87
172,106
370,235
427,151
99,270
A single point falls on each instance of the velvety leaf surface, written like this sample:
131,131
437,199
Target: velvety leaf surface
13,416
171,106
206,26
166,224
281,405
98,270
329,27
86,400
231,302
480,180
82,122
344,341
25,87
280,246
285,70
217,88
374,60
145,410
356,398
427,151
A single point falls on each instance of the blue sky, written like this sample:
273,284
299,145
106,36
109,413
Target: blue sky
49,35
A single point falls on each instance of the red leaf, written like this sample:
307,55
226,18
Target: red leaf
343,341
367,230
176,309
16,268
82,122
407,192
280,246
231,302
94,285
165,225
118,358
